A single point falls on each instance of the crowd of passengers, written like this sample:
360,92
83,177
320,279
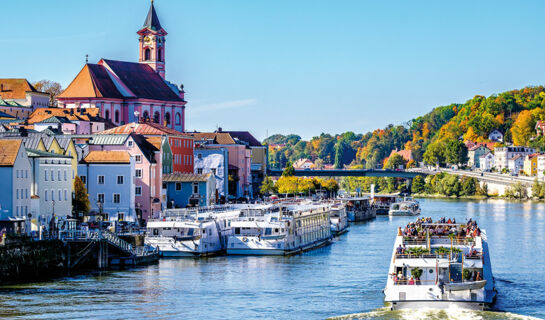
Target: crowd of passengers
422,226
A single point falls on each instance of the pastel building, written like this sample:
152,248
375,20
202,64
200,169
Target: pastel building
69,121
110,182
147,169
486,161
16,177
51,186
474,154
189,189
530,164
516,164
131,91
215,162
18,98
502,155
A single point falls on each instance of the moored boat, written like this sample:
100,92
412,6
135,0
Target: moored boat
359,208
339,219
407,207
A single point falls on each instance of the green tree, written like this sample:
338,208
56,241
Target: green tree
418,185
435,154
537,189
339,151
267,186
456,152
469,186
395,161
81,202
289,171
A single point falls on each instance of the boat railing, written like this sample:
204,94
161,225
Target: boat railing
405,282
425,256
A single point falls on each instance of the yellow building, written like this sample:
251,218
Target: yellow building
65,146
530,165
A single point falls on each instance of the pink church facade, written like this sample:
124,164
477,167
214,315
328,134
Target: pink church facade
131,91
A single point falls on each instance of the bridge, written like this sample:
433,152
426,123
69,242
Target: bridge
352,173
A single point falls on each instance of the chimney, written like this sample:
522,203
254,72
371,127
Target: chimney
219,129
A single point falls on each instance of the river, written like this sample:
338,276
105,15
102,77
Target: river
344,280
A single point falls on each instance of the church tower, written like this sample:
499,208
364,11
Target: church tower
152,42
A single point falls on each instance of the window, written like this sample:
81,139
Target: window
138,173
117,198
199,155
26,173
178,119
60,195
52,175
199,170
17,171
17,191
45,195
156,117
107,114
52,195
130,143
116,116
65,175
138,158
195,188
65,195
26,193
120,216
146,115
213,171
59,175
159,55
45,176
119,179
167,118
178,186
100,197
138,191
83,179
147,54
100,179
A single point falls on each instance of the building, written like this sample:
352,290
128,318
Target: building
303,164
148,169
259,162
189,189
486,162
516,164
495,135
109,178
69,121
216,162
181,144
530,164
51,186
129,91
474,154
405,153
19,98
540,128
541,166
16,177
502,155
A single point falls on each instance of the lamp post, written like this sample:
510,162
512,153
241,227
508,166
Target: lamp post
100,217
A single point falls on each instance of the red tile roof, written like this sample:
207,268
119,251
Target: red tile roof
15,88
9,148
107,157
405,153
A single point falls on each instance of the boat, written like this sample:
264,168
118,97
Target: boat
191,232
359,208
407,207
282,230
442,266
382,202
339,219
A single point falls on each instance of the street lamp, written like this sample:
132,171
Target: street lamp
99,204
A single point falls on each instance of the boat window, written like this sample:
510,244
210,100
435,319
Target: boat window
155,232
276,230
268,231
209,232
237,230
190,231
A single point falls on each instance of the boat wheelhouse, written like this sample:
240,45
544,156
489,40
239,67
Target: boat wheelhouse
191,232
440,265
407,207
281,230
359,208
339,219
382,202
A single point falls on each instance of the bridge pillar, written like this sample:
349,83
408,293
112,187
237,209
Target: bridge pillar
409,183
102,254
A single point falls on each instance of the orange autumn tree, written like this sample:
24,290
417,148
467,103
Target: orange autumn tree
523,128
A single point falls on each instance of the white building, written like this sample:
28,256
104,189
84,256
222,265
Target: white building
540,166
496,135
303,164
486,162
215,161
516,164
503,154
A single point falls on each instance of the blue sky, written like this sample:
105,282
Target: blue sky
285,66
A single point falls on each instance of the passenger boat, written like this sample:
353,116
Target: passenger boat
339,219
443,265
359,208
283,230
407,207
382,202
191,232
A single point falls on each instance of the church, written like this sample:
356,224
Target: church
131,91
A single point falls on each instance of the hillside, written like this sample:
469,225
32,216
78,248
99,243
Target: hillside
513,112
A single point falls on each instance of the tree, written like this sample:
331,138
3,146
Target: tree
51,87
469,186
267,186
319,164
523,128
287,184
456,152
339,152
81,202
289,170
435,154
418,185
395,161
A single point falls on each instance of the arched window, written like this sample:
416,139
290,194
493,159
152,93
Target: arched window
116,115
147,54
107,114
145,116
178,119
167,118
156,117
160,55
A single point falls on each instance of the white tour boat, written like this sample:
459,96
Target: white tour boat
407,207
191,232
281,230
359,208
339,219
441,266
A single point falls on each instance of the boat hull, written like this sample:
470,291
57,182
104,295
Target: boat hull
438,304
277,252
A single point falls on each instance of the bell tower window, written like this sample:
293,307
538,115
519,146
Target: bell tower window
159,55
147,54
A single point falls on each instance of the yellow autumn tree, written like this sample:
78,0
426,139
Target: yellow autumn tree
471,135
523,128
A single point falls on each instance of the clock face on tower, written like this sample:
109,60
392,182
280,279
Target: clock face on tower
147,39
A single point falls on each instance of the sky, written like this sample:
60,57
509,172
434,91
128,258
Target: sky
284,66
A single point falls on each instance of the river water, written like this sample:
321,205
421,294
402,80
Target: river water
344,280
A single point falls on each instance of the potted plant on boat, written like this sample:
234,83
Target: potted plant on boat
416,273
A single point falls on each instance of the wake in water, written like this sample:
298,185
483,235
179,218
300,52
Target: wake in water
425,314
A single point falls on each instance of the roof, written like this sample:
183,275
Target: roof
477,146
516,157
108,139
55,119
15,88
63,141
5,115
152,21
9,148
405,153
214,137
186,177
33,153
147,148
245,136
92,81
300,162
107,157
144,128
84,114
155,141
